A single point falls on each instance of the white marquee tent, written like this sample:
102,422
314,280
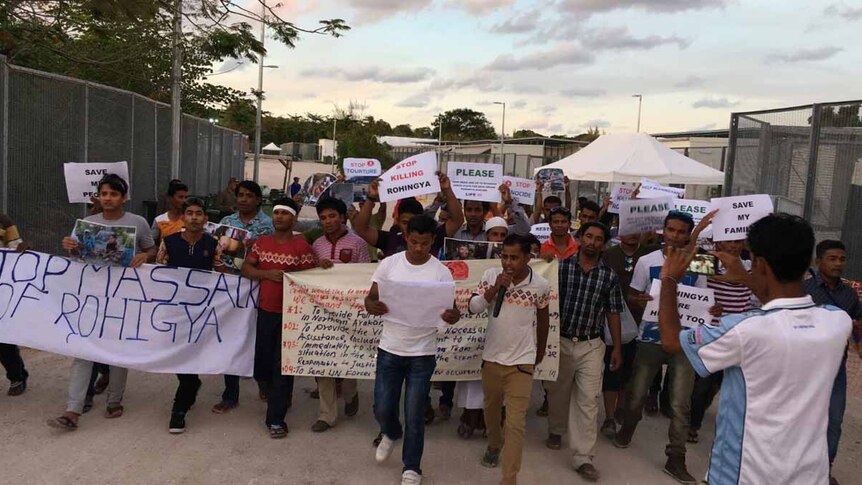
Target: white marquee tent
628,157
272,147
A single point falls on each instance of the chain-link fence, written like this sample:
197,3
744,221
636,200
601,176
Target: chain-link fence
46,120
809,158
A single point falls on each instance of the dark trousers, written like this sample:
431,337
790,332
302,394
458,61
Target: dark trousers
837,403
705,390
10,357
268,346
187,392
97,369
448,393
394,372
262,355
231,389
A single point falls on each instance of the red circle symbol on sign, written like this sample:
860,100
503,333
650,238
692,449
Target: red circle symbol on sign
508,183
371,163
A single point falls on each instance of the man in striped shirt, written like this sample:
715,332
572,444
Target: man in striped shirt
336,245
733,299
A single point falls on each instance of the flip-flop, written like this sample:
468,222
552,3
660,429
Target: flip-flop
64,423
113,412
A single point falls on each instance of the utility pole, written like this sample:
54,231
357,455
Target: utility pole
176,89
502,132
640,101
334,145
259,95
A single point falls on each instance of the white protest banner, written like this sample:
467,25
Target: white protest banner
650,189
327,331
82,179
643,215
476,181
412,176
698,209
619,193
361,167
523,190
735,214
694,304
152,318
428,300
542,231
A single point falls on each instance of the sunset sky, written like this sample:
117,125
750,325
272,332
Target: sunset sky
564,65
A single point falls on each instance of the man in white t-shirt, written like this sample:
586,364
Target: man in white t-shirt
514,344
650,357
779,362
406,354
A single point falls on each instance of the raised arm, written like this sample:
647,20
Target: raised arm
361,224
456,212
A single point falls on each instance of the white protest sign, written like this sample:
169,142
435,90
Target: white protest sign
82,179
619,193
698,209
361,167
650,189
643,215
694,304
476,181
735,214
428,300
327,332
411,177
151,318
523,190
542,231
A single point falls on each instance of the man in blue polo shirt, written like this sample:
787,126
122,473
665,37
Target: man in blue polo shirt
779,362
826,288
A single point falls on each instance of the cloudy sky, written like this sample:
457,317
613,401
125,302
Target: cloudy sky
564,65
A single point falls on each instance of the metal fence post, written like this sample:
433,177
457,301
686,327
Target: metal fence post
4,156
86,134
731,155
813,146
156,151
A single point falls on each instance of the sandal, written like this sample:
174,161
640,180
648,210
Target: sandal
223,407
277,432
64,423
114,412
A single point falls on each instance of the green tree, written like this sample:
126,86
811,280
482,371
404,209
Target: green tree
127,43
402,130
526,134
464,124
423,132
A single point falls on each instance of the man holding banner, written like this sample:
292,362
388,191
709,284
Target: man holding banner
248,217
113,193
336,245
270,257
407,353
192,248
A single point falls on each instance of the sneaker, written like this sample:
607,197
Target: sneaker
588,472
384,449
178,423
17,388
409,477
554,441
609,428
491,458
624,437
675,467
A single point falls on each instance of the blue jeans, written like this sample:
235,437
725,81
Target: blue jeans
837,403
392,372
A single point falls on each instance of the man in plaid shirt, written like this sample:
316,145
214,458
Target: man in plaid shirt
589,292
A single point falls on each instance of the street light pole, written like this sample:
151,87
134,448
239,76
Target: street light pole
334,145
640,101
176,90
502,132
257,123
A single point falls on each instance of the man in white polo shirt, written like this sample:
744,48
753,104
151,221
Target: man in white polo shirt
779,362
514,344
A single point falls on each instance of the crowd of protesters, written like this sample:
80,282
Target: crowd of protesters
776,348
